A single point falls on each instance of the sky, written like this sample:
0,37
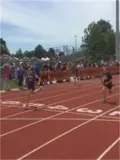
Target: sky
52,23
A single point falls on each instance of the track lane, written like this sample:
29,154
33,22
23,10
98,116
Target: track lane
86,142
9,110
48,91
59,137
8,125
51,111
71,104
65,102
51,114
43,114
58,87
17,136
44,95
112,152
24,141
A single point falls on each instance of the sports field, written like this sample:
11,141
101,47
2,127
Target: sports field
72,124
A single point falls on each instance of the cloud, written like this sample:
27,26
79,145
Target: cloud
53,22
29,18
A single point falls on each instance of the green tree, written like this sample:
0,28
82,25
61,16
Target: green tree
29,54
51,52
19,53
105,25
26,53
99,39
3,47
39,51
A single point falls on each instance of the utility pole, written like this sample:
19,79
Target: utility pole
75,42
117,31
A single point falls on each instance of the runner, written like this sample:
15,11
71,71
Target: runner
77,78
37,72
31,83
107,83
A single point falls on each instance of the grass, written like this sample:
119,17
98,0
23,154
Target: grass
11,84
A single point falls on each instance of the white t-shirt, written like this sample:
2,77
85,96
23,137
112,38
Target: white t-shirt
78,66
45,59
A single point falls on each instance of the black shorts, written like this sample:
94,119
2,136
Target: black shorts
20,81
109,86
31,86
38,74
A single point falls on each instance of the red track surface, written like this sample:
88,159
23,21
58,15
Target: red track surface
62,134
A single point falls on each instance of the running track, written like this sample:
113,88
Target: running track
70,132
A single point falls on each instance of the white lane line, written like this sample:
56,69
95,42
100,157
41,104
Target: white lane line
66,100
59,119
66,93
111,117
74,113
26,126
83,114
45,106
109,148
63,89
63,134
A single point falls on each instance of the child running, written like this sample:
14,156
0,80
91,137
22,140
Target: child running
31,83
107,83
77,78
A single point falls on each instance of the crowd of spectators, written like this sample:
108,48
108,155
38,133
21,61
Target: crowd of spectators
15,71
109,63
11,71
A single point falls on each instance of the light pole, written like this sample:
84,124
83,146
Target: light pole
75,42
117,31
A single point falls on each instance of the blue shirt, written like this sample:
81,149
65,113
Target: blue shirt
37,69
20,73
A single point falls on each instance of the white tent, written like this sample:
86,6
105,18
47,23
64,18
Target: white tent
45,59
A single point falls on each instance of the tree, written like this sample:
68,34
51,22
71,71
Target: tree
51,52
26,53
99,39
29,54
61,54
105,25
3,47
39,51
19,53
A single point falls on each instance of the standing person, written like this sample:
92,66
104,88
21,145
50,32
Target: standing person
37,72
107,83
20,76
25,68
6,75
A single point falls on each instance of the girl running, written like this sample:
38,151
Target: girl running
107,83
77,78
31,83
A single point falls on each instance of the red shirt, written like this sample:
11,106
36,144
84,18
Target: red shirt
6,72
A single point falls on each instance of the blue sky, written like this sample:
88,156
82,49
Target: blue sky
27,23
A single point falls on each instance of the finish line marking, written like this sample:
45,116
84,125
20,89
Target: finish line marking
61,108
